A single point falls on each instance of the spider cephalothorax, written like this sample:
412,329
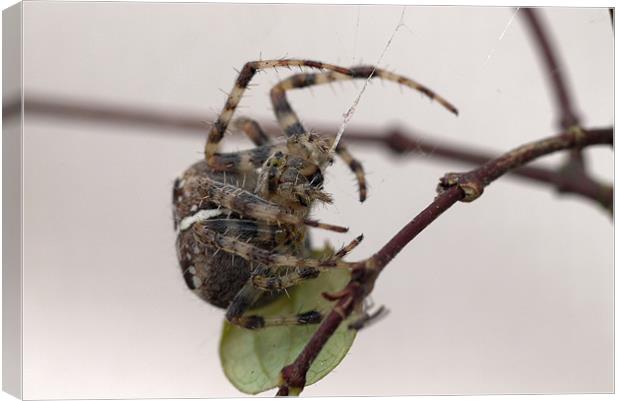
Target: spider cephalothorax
294,178
242,217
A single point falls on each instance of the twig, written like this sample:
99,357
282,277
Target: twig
575,167
453,187
540,37
569,183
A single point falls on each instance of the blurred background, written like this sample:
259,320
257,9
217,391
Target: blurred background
510,294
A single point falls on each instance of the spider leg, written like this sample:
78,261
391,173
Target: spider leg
290,122
250,159
244,160
253,130
243,202
304,268
267,281
345,250
254,231
243,300
248,71
248,296
356,167
308,267
216,133
291,125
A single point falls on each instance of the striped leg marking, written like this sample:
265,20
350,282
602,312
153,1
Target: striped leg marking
291,125
244,160
356,167
216,133
289,120
258,232
248,296
250,205
254,322
259,256
268,281
252,130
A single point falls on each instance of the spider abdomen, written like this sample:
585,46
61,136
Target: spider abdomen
211,272
215,276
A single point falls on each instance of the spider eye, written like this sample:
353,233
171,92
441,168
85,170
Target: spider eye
277,159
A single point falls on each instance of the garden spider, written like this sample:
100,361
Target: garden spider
242,217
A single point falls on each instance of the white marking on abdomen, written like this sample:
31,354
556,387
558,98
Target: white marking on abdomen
204,214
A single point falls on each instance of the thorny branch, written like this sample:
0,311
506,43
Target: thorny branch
453,187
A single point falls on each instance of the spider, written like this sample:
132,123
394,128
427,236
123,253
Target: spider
242,217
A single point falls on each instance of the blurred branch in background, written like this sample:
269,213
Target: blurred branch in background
398,140
574,169
553,68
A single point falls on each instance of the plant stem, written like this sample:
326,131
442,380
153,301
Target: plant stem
453,187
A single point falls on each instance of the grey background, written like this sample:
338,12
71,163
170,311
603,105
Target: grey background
510,294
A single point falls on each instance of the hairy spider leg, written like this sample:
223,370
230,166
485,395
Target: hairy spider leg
356,167
244,160
254,231
303,268
248,296
290,122
252,130
250,159
216,133
254,254
291,125
268,281
345,250
247,204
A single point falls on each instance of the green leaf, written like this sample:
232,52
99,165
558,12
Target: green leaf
252,359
